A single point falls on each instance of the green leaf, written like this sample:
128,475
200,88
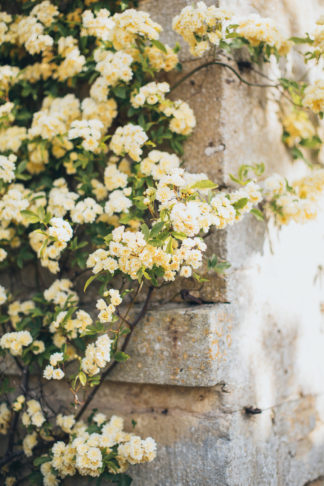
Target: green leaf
311,143
204,184
235,179
125,480
297,154
159,45
120,356
41,460
145,231
5,386
241,203
156,229
301,40
199,278
178,235
258,214
30,216
221,267
169,248
83,378
120,92
89,281
217,266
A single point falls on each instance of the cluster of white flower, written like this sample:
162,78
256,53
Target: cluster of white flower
129,139
318,36
66,422
60,292
16,307
38,346
16,341
5,20
150,93
99,189
99,25
49,479
113,68
18,403
7,167
106,313
11,138
85,451
29,442
201,26
8,76
60,199
47,253
86,211
190,217
33,414
50,244
51,372
60,230
298,126
71,327
45,12
129,252
132,24
13,202
99,260
298,202
314,96
183,120
73,62
5,416
30,33
259,30
158,164
55,117
105,111
97,355
114,178
118,202
161,60
89,130
6,115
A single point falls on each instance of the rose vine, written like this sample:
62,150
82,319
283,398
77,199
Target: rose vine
93,193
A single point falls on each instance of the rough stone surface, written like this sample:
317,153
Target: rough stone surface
184,346
198,374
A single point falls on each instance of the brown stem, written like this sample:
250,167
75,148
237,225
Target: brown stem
14,422
223,64
91,396
7,459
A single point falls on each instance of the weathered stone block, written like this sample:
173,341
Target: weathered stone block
179,345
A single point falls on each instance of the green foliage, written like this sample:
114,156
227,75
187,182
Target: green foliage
217,265
243,176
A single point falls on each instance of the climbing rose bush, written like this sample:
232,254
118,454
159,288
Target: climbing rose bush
93,191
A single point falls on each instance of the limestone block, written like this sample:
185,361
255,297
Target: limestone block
182,346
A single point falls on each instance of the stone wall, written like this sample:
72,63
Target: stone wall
233,390
197,374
